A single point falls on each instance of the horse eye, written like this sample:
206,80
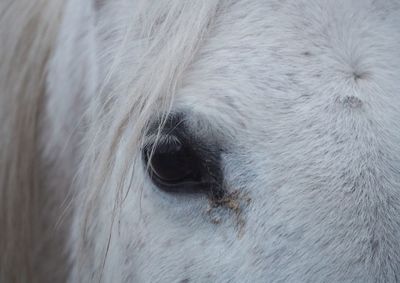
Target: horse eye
183,166
174,166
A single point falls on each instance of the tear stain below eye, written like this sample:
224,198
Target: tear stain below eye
230,203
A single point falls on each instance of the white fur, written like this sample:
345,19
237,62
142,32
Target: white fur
303,94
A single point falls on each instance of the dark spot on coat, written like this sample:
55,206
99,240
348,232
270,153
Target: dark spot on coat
357,75
352,102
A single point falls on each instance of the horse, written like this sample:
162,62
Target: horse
200,141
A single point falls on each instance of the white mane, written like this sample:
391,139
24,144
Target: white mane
27,31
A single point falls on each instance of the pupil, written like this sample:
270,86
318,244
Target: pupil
172,163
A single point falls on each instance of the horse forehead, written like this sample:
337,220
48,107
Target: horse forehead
262,62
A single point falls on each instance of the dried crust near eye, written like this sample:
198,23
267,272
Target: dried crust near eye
233,202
